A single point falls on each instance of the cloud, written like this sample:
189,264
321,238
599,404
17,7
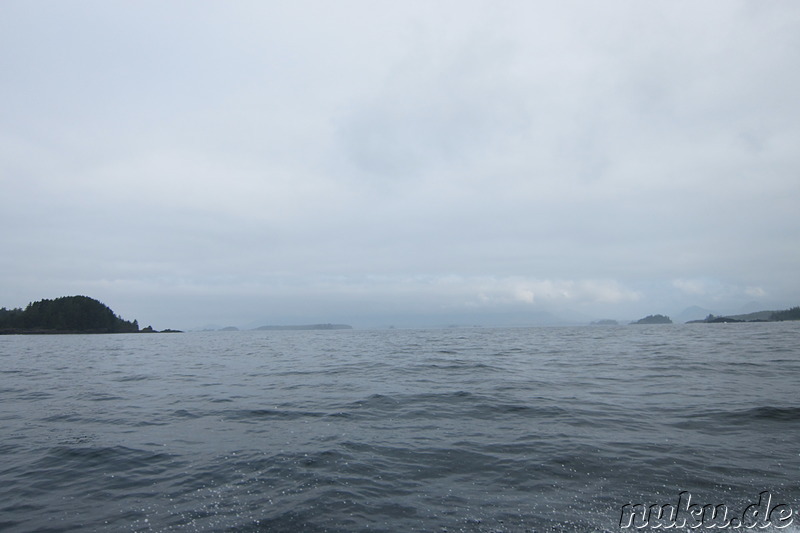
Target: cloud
411,156
691,286
756,292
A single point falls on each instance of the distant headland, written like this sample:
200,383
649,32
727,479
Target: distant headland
68,314
759,316
792,313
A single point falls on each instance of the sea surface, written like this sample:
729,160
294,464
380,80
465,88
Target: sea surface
448,430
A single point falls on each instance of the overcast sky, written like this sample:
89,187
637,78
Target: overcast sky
202,162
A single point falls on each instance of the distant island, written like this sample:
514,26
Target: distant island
305,327
654,319
68,314
760,316
604,322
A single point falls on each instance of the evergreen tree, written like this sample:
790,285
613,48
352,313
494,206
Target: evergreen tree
78,314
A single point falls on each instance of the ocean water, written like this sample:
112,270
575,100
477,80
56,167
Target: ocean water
474,430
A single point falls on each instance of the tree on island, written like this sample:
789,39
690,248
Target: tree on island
711,319
654,319
788,314
759,316
68,314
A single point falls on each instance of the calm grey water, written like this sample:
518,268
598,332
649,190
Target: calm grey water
478,430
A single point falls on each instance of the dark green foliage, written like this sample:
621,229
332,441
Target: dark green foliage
68,314
10,318
654,319
788,314
721,320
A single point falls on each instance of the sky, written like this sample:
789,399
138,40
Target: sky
195,163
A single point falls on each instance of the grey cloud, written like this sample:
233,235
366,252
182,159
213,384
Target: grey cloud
313,158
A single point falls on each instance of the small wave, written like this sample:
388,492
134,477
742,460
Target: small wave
255,415
465,366
780,414
75,465
183,413
98,397
137,377
766,413
63,417
451,405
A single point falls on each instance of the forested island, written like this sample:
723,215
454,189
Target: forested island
792,313
759,316
654,319
68,314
